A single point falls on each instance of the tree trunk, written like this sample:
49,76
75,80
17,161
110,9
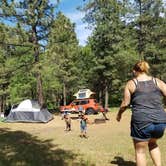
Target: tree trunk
106,97
64,94
38,74
100,97
140,37
39,90
1,105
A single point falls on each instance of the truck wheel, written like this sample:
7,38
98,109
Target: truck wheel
89,111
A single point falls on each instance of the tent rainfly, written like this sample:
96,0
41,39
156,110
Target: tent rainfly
29,111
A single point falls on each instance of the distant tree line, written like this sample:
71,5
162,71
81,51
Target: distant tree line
40,56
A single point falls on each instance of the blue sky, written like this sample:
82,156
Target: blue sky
68,7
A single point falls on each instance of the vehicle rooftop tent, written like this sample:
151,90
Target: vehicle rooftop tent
83,93
29,111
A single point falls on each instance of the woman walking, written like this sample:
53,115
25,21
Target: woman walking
148,119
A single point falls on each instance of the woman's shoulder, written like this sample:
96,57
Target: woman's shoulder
131,83
161,85
160,82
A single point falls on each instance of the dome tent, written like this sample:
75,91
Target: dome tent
29,111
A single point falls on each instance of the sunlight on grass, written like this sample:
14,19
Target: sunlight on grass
109,143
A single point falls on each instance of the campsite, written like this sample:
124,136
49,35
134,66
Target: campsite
41,144
69,69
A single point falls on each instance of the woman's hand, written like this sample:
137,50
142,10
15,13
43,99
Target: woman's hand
118,117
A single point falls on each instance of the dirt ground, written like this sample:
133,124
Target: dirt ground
38,144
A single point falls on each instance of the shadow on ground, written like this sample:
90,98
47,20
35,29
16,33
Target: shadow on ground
19,148
74,117
121,162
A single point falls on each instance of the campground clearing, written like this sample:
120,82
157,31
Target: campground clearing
39,144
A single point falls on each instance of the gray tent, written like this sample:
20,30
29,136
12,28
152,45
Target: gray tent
29,111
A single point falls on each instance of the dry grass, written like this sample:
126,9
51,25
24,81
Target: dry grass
48,144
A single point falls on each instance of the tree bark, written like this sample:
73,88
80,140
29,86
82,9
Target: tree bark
39,90
100,97
2,104
106,97
38,74
140,33
64,94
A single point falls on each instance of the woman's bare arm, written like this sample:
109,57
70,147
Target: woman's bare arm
162,86
125,101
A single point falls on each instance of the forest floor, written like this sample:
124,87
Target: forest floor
38,144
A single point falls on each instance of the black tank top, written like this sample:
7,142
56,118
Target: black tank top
147,104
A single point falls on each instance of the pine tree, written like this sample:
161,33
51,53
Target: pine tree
109,43
150,29
16,64
35,17
62,54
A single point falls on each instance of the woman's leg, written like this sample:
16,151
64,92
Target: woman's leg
140,152
154,152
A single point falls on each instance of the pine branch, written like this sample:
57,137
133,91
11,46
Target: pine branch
12,44
9,73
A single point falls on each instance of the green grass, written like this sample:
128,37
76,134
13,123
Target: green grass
109,144
113,109
2,119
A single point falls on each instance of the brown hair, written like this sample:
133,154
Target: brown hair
141,67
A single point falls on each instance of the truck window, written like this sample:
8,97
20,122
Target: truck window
84,102
75,103
95,101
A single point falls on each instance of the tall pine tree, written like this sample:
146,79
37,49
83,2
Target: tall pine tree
62,54
35,17
109,43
